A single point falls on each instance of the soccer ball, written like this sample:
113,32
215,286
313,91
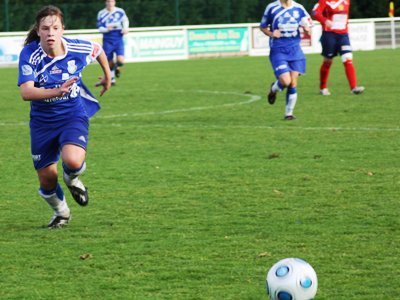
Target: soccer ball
292,279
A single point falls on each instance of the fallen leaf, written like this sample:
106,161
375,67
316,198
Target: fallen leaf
86,256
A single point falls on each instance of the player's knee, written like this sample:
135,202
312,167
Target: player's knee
73,164
347,57
285,82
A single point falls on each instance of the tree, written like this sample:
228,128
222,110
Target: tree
80,14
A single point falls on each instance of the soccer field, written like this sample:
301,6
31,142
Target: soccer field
198,186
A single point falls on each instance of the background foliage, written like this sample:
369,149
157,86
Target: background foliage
18,14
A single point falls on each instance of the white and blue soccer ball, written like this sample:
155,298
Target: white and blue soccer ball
292,279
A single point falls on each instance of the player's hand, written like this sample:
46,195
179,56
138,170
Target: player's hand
276,34
106,83
328,24
66,86
124,31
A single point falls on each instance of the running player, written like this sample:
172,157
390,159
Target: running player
113,23
281,22
334,18
50,67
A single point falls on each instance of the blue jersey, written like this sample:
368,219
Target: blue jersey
117,19
287,20
51,72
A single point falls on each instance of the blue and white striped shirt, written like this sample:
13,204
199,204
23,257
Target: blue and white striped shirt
117,19
51,72
287,20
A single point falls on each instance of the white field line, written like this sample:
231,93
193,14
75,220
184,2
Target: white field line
251,127
115,124
252,98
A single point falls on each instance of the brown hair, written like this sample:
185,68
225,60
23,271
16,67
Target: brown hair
46,11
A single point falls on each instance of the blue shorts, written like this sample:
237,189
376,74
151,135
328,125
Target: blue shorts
334,44
113,46
48,139
284,60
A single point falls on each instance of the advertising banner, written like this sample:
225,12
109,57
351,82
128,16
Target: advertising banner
10,47
260,42
362,36
155,45
218,40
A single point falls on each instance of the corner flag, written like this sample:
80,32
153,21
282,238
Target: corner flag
391,9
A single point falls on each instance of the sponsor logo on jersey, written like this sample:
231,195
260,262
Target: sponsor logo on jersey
26,70
65,76
55,70
72,67
43,78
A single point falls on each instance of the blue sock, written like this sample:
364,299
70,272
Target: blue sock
69,171
280,86
58,190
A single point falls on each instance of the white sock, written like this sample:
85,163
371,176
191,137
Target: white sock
59,206
72,179
291,103
275,87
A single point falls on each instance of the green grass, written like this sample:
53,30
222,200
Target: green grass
197,188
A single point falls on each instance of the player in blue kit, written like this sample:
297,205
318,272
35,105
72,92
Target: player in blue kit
113,23
281,22
50,67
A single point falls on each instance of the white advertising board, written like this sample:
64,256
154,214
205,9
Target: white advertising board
156,46
362,36
173,43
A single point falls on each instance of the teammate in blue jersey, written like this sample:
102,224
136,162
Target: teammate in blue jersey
113,23
281,22
50,67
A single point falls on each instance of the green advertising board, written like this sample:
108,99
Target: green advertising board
203,41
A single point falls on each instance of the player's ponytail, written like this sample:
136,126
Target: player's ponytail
32,35
46,11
